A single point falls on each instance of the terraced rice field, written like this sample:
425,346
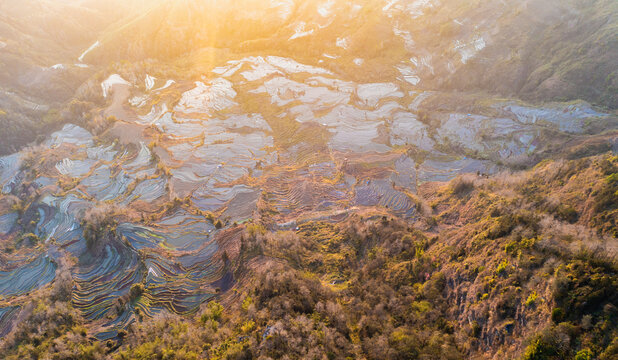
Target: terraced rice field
7,316
33,274
259,135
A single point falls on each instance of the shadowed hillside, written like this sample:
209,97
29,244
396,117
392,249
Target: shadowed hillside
40,43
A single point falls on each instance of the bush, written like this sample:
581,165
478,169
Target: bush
405,343
557,315
502,226
584,354
462,185
581,288
213,311
531,300
502,267
568,214
136,291
28,239
549,345
607,198
99,226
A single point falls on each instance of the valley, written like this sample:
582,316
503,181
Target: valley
317,171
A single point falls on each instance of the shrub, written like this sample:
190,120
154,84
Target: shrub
581,288
213,311
405,343
607,198
506,306
584,354
502,267
247,327
99,225
28,239
551,344
607,166
136,291
462,185
476,329
255,229
531,300
502,226
557,315
568,214
246,303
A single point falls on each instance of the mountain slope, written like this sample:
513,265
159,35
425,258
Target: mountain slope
40,42
324,179
535,50
494,267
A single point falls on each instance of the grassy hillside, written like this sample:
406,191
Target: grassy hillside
535,50
40,42
494,267
551,51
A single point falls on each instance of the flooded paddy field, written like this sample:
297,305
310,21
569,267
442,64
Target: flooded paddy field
146,205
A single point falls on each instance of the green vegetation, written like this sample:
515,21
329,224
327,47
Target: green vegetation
51,330
531,300
136,292
375,287
99,227
514,265
606,200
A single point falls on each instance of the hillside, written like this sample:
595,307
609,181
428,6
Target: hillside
40,43
535,50
402,179
490,267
